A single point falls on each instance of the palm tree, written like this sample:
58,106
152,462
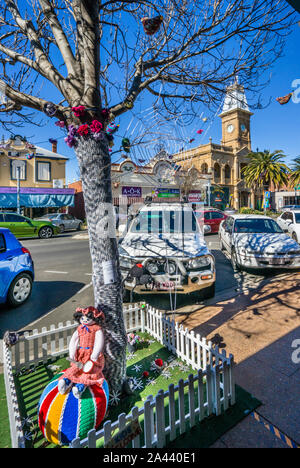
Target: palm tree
266,168
295,176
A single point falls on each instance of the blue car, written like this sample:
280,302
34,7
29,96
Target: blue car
16,270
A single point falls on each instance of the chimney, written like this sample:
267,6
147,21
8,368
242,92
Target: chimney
54,144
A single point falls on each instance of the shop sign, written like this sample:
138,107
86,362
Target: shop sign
132,192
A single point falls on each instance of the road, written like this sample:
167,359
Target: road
63,282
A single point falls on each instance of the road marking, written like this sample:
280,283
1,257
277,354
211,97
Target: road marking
84,288
57,272
274,430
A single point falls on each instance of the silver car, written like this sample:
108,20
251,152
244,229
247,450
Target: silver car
64,221
257,242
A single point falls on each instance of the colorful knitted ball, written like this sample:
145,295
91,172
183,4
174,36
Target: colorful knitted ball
63,418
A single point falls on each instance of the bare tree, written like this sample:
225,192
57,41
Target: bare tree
97,54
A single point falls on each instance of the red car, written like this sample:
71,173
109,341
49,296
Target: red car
210,217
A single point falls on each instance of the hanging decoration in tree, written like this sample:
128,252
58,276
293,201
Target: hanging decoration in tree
112,128
191,140
284,99
126,145
60,124
50,109
79,390
79,111
151,25
199,131
204,119
128,104
29,155
105,114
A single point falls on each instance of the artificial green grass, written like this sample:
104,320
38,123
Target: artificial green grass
4,424
30,385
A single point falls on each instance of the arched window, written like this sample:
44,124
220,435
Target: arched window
204,168
217,171
227,172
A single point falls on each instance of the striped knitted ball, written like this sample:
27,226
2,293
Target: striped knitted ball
63,418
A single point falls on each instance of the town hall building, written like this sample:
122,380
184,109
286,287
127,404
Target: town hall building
225,161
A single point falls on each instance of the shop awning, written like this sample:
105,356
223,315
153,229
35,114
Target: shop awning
31,197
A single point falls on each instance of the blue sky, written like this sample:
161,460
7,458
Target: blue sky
275,127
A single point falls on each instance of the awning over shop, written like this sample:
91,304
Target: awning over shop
32,197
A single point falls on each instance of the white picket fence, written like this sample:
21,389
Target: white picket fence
210,391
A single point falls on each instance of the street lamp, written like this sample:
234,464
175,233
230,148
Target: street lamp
208,177
18,165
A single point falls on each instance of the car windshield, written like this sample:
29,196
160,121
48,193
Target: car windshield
297,218
158,222
50,216
268,226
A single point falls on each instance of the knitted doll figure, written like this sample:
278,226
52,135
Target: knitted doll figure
85,351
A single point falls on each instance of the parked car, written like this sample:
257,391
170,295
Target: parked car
16,270
21,226
230,211
290,207
63,221
164,250
211,218
258,242
289,221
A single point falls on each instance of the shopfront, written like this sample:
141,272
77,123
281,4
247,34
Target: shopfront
36,201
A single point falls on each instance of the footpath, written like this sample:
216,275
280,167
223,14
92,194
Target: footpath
261,329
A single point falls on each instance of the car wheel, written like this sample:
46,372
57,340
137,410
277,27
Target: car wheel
294,236
209,292
79,227
20,290
234,261
45,232
62,228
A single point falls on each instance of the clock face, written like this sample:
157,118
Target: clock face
230,128
243,127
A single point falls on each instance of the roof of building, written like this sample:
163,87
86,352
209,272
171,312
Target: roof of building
48,154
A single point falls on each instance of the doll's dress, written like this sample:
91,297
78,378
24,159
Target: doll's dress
86,334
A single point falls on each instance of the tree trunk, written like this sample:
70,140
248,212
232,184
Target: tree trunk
94,163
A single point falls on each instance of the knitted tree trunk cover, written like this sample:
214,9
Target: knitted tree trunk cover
94,163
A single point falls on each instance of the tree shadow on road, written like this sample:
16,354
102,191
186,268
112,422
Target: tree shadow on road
46,296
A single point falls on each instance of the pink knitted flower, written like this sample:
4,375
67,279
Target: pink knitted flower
83,130
60,123
105,113
96,126
78,111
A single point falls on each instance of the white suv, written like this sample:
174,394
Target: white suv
164,250
289,221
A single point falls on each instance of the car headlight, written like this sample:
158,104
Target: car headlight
125,260
199,262
170,268
152,267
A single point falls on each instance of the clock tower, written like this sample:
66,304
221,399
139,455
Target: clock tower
235,117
